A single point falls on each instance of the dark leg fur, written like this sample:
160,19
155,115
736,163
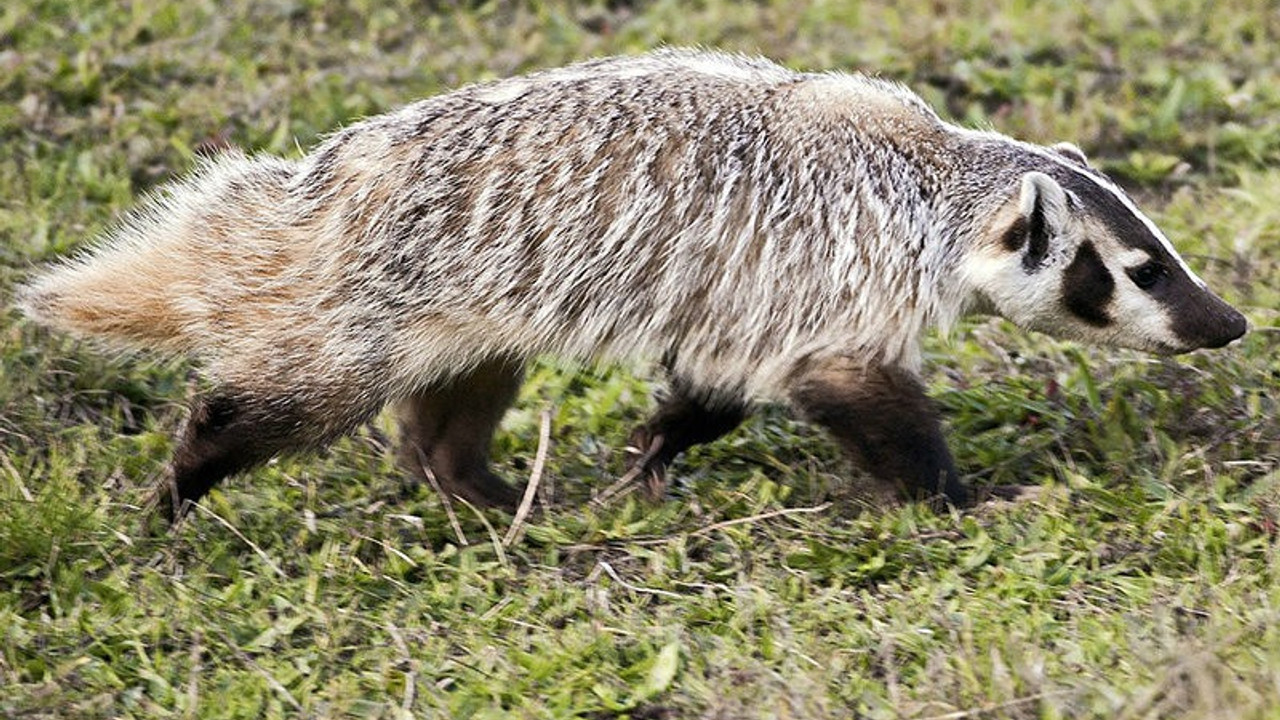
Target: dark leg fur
449,428
882,417
685,418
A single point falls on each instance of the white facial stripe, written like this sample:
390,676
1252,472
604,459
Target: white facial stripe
1124,199
1131,258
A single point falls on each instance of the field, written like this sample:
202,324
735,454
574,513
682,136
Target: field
1143,581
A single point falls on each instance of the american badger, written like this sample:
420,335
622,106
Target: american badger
764,234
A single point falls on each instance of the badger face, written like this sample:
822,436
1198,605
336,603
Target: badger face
1068,254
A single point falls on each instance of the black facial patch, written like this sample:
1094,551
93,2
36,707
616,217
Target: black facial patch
1015,235
1037,238
1087,287
1031,232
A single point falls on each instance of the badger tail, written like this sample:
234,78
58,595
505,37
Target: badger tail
176,269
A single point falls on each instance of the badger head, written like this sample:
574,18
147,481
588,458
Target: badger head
1068,253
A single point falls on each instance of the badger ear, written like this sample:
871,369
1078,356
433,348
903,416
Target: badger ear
1042,213
1071,152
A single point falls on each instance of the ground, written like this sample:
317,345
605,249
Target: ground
1142,582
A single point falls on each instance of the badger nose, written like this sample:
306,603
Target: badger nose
1204,320
1233,327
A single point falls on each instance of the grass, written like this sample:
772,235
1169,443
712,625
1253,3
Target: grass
1143,583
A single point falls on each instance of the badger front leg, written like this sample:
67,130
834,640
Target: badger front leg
685,417
448,428
883,419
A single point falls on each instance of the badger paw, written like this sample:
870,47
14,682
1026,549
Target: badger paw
646,463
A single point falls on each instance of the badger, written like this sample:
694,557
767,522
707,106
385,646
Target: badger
762,234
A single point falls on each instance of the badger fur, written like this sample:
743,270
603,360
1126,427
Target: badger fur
766,235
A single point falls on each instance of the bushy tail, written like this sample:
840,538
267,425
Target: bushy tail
176,268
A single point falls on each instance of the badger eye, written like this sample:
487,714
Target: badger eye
1146,275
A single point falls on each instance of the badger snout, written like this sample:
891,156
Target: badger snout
1210,323
1231,327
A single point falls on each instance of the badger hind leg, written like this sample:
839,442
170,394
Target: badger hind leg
231,430
882,417
448,428
685,417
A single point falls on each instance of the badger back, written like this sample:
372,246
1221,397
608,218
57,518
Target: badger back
720,212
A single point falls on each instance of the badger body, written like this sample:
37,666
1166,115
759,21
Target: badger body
762,233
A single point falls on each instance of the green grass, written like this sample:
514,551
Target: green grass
1144,583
